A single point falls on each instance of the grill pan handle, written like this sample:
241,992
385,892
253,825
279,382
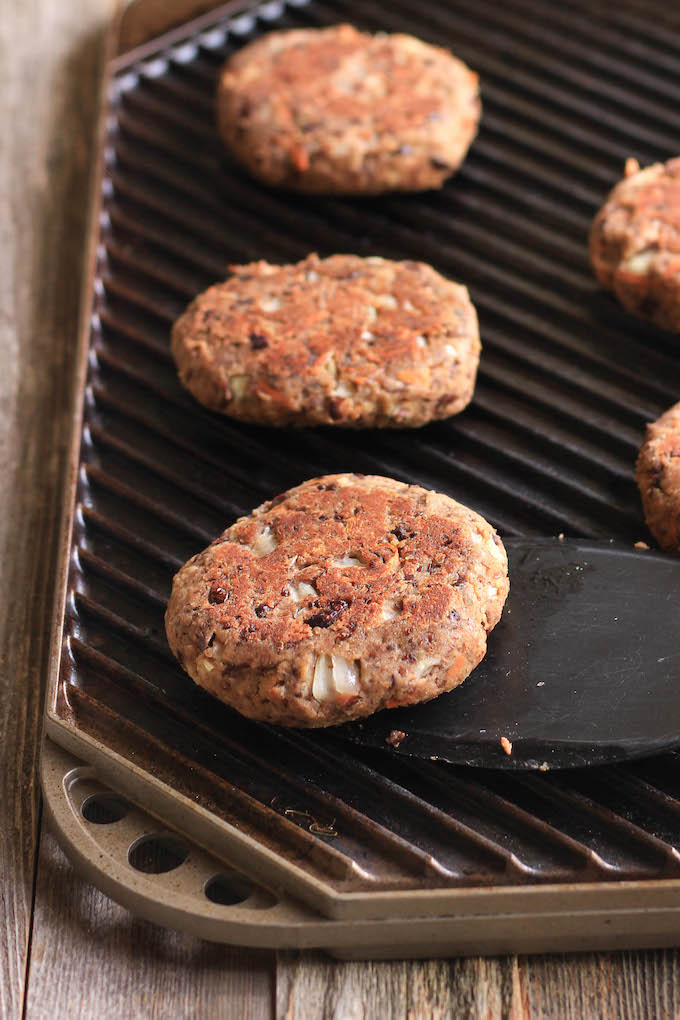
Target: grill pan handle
102,833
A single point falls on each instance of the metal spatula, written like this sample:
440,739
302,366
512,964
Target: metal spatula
583,669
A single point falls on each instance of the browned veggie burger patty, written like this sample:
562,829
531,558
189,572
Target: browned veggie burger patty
335,110
345,595
339,341
635,242
658,475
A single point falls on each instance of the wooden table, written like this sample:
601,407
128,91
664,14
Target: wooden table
67,950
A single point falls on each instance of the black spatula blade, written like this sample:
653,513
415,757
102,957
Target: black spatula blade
583,669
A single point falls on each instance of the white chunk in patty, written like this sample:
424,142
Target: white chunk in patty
265,543
334,676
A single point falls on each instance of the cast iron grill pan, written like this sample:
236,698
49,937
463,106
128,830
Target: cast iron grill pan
567,382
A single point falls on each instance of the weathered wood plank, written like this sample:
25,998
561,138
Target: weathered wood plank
596,986
50,55
615,986
92,958
318,988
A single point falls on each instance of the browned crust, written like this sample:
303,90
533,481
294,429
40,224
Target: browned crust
635,242
338,111
398,582
658,476
351,341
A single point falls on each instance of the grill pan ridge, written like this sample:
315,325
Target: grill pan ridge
566,384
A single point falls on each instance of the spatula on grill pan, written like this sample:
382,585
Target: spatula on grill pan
583,669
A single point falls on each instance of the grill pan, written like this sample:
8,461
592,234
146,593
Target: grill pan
341,844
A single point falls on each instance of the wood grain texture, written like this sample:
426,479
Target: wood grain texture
317,988
614,986
590,986
50,57
92,958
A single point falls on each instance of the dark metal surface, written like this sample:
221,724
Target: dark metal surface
581,670
566,384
